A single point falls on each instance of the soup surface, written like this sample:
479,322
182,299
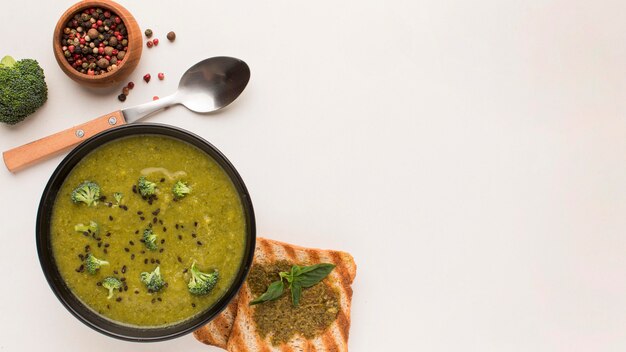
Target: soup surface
206,226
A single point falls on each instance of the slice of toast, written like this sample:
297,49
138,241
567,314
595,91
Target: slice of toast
237,332
216,332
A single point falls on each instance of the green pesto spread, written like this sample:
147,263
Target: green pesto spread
282,321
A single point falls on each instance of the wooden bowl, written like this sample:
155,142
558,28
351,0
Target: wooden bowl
133,54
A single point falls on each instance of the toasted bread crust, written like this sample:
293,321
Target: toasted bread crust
235,329
217,332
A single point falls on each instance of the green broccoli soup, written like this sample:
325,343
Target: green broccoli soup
148,231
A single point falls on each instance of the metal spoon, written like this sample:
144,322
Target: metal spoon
207,86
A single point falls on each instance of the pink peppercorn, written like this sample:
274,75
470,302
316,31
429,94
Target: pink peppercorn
155,98
161,76
131,85
155,41
147,77
149,43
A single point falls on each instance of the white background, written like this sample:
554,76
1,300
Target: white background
469,154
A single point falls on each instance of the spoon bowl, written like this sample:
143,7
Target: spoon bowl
213,83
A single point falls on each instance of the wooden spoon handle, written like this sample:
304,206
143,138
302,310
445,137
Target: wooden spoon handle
41,149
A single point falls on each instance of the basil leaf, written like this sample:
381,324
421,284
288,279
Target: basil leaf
274,290
311,275
296,291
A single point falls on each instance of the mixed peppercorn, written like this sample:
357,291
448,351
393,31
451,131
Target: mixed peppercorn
171,36
95,41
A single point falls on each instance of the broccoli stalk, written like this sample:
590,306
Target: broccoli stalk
118,199
201,283
150,239
92,264
153,281
111,283
23,89
87,192
91,229
146,188
180,189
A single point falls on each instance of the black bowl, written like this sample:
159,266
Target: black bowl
63,293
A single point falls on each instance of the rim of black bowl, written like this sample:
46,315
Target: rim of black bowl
56,282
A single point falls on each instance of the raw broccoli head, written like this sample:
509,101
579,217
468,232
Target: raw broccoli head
22,89
90,229
201,283
150,239
180,189
111,283
153,281
87,192
92,264
146,188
